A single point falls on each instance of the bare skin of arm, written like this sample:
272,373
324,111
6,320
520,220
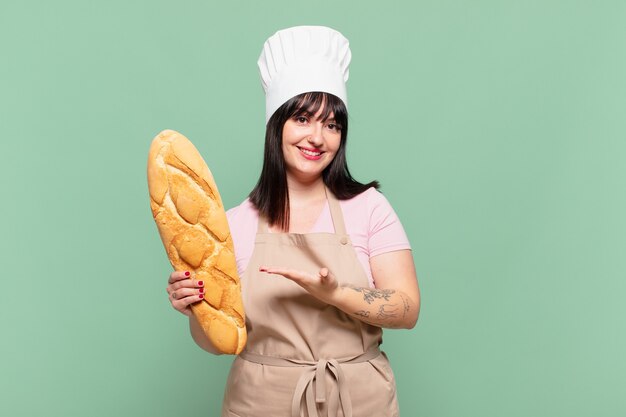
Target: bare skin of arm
200,337
394,303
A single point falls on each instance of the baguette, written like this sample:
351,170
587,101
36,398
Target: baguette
190,217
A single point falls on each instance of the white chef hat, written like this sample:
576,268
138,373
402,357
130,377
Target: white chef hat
303,59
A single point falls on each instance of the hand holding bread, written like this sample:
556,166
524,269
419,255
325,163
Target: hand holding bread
183,291
191,220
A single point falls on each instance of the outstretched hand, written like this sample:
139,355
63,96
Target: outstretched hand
322,285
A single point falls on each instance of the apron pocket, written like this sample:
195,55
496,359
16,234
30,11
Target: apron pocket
381,365
372,388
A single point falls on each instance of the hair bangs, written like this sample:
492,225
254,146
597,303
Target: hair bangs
310,103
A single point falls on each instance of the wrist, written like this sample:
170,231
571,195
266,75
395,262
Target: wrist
337,297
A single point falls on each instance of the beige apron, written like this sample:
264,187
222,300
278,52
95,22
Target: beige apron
305,358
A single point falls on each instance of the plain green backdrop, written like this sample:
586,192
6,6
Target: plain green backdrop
497,130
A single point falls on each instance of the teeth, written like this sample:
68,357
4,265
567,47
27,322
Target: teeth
310,152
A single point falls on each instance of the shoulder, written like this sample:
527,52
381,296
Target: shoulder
375,197
243,210
383,227
369,201
242,217
368,212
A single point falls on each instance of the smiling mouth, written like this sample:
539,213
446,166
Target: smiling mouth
309,152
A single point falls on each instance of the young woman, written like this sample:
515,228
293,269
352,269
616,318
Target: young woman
323,259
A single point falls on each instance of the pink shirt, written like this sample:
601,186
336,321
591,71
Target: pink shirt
373,226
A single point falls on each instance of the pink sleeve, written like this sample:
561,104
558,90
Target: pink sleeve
386,233
242,221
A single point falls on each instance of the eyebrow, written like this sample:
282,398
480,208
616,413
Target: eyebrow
308,113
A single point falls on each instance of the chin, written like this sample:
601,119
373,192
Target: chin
306,175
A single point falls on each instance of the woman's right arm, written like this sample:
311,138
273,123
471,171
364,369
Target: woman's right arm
183,291
200,337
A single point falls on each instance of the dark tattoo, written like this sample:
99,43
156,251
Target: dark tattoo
406,305
387,311
369,295
362,313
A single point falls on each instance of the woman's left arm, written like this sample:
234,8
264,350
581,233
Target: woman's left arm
394,303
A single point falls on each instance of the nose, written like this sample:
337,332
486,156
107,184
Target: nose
316,137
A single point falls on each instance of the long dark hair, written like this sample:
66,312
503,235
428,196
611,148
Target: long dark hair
270,195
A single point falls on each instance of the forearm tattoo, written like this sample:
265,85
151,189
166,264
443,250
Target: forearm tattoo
391,313
406,305
369,294
387,311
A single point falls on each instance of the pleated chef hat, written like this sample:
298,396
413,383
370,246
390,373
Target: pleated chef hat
303,59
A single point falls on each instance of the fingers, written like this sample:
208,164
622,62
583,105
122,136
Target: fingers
324,276
327,279
181,293
182,279
286,272
184,291
186,283
177,276
183,304
321,284
182,299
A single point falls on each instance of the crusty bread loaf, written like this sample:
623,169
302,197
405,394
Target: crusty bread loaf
189,214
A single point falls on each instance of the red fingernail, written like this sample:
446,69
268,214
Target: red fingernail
187,273
262,269
201,296
200,282
201,290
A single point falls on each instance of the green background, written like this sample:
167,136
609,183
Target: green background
497,130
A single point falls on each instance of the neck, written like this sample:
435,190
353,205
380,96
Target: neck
303,192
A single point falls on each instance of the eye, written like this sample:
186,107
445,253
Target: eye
333,126
301,119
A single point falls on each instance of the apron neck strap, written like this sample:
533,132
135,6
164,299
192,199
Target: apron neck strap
262,226
335,213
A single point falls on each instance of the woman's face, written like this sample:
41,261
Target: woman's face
309,145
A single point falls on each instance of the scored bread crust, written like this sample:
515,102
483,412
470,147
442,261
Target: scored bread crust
190,216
